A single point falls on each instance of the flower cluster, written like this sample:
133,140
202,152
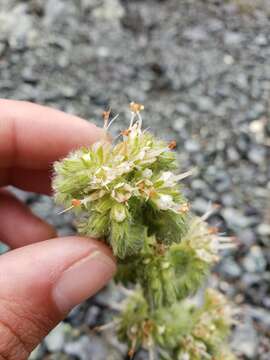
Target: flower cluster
182,331
113,186
129,195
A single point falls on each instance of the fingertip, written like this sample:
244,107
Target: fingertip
19,226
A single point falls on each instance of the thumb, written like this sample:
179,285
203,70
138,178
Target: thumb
40,283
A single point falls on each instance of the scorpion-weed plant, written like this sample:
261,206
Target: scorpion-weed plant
128,195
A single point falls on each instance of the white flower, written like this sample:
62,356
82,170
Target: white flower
170,179
86,157
164,202
122,192
94,196
147,173
118,212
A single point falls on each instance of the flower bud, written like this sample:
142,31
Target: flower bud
119,212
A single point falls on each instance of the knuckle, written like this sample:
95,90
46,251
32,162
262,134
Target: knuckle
19,332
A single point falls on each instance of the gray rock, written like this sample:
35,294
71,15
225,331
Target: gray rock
233,38
257,155
247,237
205,104
235,218
56,339
245,339
3,248
91,348
192,146
110,10
261,40
16,27
2,48
233,154
200,205
261,316
255,261
38,353
230,268
263,229
92,315
195,34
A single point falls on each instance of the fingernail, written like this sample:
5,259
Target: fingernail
82,280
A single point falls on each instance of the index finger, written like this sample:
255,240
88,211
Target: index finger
34,136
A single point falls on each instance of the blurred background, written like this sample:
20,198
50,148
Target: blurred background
202,70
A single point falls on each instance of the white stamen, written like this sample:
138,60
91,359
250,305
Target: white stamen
66,210
133,115
110,123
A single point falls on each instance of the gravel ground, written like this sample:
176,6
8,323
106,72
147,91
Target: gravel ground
202,69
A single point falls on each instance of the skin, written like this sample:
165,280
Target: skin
32,137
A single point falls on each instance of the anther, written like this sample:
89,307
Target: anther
135,107
76,202
172,145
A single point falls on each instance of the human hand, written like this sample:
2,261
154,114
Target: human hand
40,280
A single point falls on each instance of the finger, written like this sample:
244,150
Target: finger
41,282
33,136
38,181
18,226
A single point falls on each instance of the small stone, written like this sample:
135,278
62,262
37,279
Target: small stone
228,199
93,347
200,206
179,124
196,34
228,59
260,315
247,237
256,111
235,218
230,268
109,10
3,248
183,108
263,229
38,353
205,104
56,338
192,146
257,154
92,315
257,126
233,154
255,261
245,339
2,48
233,38
261,40
198,184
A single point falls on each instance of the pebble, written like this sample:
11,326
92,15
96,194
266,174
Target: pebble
235,218
195,34
255,261
200,205
2,48
57,337
245,339
192,146
233,38
91,347
263,229
257,154
230,268
260,315
92,315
